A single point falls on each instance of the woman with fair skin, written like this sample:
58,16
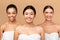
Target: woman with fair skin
29,31
7,29
51,29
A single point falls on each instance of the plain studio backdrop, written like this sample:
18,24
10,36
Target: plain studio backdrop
38,4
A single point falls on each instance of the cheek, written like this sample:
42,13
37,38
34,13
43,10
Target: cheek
48,14
32,16
45,15
14,15
8,15
51,14
25,16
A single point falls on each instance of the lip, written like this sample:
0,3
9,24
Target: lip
49,17
11,17
29,19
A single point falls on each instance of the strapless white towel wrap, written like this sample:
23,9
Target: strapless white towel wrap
29,37
51,36
8,35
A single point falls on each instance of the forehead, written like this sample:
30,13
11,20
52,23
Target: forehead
11,9
48,10
29,10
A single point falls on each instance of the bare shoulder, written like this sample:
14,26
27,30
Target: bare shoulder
18,23
40,28
3,25
57,26
18,27
41,25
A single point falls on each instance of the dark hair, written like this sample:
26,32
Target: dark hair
11,6
48,6
29,7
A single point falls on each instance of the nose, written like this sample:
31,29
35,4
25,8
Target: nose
29,15
49,14
11,14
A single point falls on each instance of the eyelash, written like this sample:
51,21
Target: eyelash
50,12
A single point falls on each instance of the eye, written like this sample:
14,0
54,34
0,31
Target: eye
31,14
26,13
46,12
51,12
14,13
9,13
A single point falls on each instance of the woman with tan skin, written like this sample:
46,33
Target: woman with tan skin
29,31
51,29
7,29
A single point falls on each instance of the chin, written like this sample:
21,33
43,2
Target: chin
29,22
49,19
11,20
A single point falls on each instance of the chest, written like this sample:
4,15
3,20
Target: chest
50,29
10,27
28,31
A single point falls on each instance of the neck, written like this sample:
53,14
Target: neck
29,24
48,22
12,22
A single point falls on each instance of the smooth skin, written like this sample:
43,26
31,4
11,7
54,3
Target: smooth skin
48,25
11,24
29,28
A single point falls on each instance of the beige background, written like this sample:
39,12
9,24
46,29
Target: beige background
38,4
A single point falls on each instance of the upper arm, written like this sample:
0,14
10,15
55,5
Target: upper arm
16,34
42,34
1,30
41,31
59,30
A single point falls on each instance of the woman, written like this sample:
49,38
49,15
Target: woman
7,29
29,31
51,29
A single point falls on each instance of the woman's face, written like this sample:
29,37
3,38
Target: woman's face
29,15
48,13
11,13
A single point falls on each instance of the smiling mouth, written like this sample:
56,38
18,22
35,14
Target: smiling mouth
11,17
48,17
29,19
